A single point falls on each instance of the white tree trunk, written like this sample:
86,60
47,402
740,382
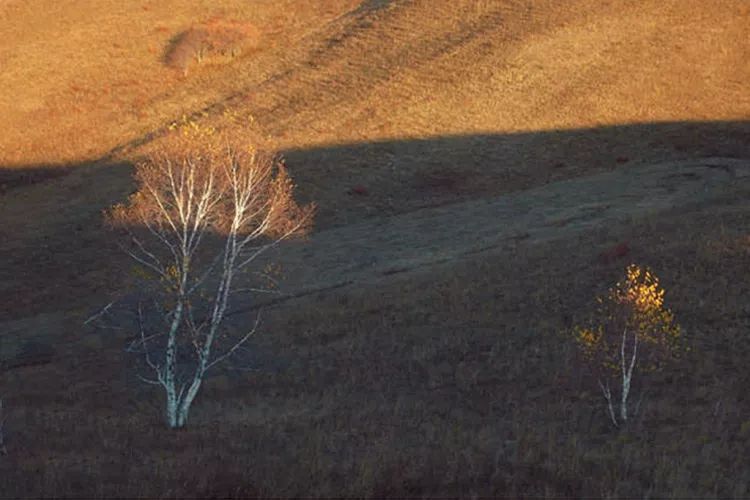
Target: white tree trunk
178,403
627,366
180,201
627,373
610,406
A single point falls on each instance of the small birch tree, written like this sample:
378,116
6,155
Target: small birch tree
206,207
630,330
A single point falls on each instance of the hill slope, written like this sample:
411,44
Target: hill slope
469,121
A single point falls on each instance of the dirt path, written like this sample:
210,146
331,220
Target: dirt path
373,250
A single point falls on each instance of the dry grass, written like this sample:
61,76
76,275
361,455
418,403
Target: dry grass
450,382
83,77
435,384
215,37
404,70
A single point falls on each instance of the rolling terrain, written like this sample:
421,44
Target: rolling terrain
474,164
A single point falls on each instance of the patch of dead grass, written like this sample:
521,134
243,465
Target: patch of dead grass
215,37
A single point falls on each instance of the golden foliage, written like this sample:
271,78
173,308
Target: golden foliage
634,308
197,160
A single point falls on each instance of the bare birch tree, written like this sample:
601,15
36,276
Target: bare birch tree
631,328
206,207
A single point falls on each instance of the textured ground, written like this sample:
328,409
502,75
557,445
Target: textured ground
472,161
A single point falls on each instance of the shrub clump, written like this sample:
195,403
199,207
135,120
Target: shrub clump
215,37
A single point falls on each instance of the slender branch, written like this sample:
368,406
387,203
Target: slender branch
275,242
149,380
608,397
161,237
147,264
98,315
206,274
141,342
155,367
160,204
236,346
258,290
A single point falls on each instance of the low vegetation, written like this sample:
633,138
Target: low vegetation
491,374
216,37
438,383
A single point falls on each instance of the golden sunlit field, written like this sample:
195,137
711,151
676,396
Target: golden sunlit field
482,171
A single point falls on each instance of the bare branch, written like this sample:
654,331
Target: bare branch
148,380
608,397
160,272
236,346
99,314
206,274
194,186
162,238
144,341
258,290
275,242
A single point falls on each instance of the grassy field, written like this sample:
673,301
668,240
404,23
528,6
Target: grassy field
458,378
441,383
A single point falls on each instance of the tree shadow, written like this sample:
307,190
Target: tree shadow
53,246
15,177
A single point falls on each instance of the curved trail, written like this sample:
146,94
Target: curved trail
371,251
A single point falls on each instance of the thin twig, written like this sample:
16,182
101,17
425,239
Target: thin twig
237,345
99,314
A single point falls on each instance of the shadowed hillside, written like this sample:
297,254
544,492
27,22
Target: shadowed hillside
60,237
483,169
403,175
